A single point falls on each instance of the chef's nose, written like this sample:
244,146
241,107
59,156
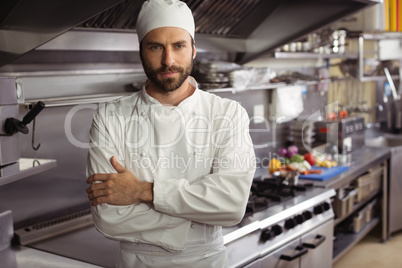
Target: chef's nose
168,57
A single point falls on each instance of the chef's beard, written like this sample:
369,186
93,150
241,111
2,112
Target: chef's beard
171,83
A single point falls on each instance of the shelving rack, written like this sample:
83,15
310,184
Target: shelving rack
27,167
376,36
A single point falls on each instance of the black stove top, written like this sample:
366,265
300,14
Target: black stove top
267,192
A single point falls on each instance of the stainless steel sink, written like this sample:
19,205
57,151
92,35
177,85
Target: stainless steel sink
384,141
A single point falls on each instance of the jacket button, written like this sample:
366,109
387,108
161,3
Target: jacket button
192,226
143,113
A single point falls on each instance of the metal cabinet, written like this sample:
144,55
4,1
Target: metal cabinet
395,191
286,256
313,249
320,245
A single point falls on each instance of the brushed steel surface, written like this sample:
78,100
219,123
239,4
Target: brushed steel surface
394,143
24,257
8,90
9,145
6,229
29,24
24,168
248,247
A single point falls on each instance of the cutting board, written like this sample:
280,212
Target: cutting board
326,173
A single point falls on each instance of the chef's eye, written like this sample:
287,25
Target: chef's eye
154,47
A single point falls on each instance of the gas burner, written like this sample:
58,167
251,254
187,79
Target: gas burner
267,192
256,203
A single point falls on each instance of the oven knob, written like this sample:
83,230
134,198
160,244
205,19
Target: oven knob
299,219
307,215
290,223
266,234
276,229
318,209
326,206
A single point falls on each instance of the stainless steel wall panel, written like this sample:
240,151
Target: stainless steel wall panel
8,90
78,84
9,145
60,190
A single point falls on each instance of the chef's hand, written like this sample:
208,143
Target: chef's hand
121,188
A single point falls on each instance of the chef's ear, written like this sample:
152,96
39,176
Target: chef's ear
194,52
194,49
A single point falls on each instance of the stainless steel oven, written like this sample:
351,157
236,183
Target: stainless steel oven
296,231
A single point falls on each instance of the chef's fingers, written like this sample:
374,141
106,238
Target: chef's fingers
95,186
116,165
96,194
98,200
99,177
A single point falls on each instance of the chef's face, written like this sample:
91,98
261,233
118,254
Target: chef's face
167,57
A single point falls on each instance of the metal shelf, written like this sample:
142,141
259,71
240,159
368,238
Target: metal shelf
268,86
312,55
24,168
382,35
358,206
374,36
346,241
77,100
377,78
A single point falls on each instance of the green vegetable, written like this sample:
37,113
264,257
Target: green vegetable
285,161
298,158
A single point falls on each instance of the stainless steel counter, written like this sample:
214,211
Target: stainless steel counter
86,245
25,257
360,161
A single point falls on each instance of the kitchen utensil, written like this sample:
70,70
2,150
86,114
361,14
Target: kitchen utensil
396,102
391,83
13,125
286,177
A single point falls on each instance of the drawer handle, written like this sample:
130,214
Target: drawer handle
301,252
319,240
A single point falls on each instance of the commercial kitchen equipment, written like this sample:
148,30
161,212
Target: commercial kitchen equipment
9,149
346,133
285,224
394,143
247,28
11,125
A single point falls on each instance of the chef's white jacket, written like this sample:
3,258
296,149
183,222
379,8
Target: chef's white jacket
199,156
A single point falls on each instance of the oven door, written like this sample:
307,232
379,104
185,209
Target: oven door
320,246
313,249
287,256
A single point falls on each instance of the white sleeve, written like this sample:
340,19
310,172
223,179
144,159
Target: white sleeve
220,198
135,223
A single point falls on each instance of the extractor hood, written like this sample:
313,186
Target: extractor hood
248,28
27,24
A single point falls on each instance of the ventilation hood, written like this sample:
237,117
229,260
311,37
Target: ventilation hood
27,24
248,28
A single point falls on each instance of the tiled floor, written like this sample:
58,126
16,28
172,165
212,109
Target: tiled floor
372,253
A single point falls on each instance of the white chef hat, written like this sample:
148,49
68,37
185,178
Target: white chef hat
164,13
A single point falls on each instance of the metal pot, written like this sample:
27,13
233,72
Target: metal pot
288,178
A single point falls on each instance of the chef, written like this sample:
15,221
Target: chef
171,164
